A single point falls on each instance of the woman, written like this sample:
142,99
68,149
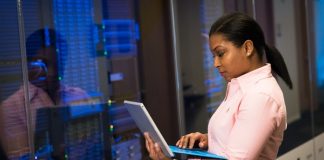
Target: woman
44,88
250,122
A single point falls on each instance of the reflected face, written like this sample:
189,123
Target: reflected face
230,60
44,73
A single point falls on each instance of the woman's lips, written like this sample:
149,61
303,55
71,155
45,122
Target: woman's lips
222,73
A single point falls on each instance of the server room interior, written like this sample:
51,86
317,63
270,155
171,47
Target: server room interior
155,52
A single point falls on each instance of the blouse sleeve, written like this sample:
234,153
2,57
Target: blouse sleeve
257,117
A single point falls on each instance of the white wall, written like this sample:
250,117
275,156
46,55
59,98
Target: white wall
285,38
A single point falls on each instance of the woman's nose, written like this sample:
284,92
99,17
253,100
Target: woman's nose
217,62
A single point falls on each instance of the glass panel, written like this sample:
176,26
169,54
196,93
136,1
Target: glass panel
286,15
203,87
14,139
62,68
214,83
81,61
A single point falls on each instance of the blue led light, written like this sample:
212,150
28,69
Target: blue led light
75,21
137,32
47,37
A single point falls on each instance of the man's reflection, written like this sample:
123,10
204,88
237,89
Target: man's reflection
44,88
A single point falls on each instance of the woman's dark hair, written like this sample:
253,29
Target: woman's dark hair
42,38
239,27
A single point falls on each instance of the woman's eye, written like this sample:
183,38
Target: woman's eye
219,54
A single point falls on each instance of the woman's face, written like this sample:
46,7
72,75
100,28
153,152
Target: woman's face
231,61
47,76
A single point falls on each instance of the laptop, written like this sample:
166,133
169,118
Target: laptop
145,123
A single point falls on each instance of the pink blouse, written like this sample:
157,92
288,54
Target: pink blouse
250,122
13,120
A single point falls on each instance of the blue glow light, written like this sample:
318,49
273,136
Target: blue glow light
319,25
120,35
47,37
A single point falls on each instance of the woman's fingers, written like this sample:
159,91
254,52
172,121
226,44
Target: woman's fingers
154,149
188,141
204,141
179,143
182,143
192,141
202,144
148,142
150,145
158,151
147,145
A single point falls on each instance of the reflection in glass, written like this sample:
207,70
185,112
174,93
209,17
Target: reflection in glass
72,48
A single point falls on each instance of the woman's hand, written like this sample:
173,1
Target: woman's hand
188,141
154,149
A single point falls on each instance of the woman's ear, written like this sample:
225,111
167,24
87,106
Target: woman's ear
248,47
